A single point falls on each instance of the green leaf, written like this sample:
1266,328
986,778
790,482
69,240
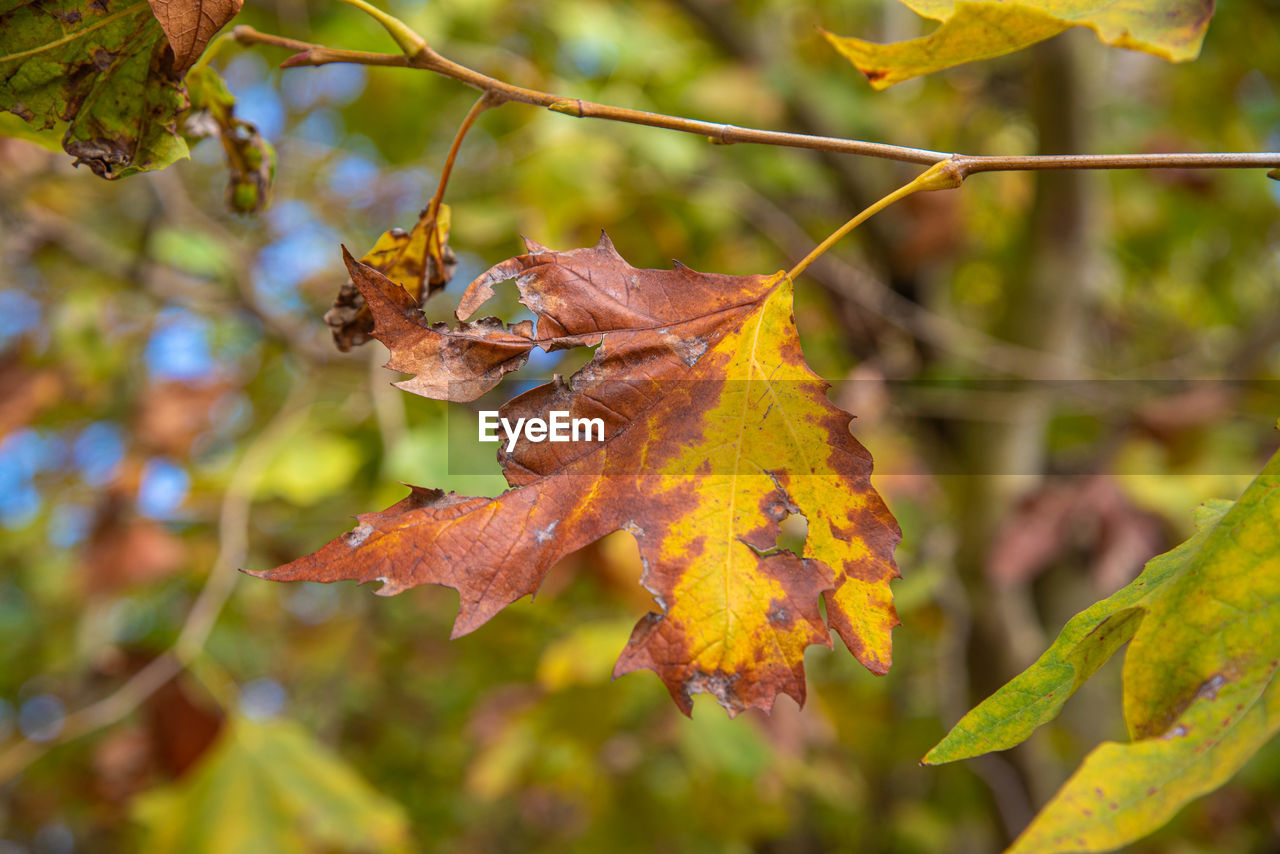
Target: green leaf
48,138
102,66
1199,696
269,787
1171,29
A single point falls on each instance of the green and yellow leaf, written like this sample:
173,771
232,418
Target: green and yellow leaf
1203,626
105,75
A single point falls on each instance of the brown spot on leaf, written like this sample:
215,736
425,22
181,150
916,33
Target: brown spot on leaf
102,59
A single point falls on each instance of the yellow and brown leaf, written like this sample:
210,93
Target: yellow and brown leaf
715,432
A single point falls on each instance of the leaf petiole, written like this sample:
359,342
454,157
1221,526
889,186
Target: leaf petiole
487,101
943,175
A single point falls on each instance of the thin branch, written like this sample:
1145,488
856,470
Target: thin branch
427,59
1012,803
172,194
308,54
968,164
233,524
164,281
860,286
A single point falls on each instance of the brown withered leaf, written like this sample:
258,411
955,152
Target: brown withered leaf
1093,515
183,725
26,391
714,432
190,24
125,551
420,265
178,727
172,415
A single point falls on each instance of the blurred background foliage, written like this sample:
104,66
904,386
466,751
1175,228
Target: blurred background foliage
172,403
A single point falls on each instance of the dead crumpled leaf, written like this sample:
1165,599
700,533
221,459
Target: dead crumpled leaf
411,259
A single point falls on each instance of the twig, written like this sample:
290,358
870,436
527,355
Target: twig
1013,807
860,286
233,536
308,54
103,713
233,524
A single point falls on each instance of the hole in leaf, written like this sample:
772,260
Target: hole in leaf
793,534
793,531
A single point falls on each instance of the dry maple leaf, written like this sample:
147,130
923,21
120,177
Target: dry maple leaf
715,432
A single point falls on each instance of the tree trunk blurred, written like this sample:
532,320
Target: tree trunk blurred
1047,307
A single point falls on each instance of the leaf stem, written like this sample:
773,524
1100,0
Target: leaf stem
487,101
426,59
940,176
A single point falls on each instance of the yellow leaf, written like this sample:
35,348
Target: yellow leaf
406,257
981,29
